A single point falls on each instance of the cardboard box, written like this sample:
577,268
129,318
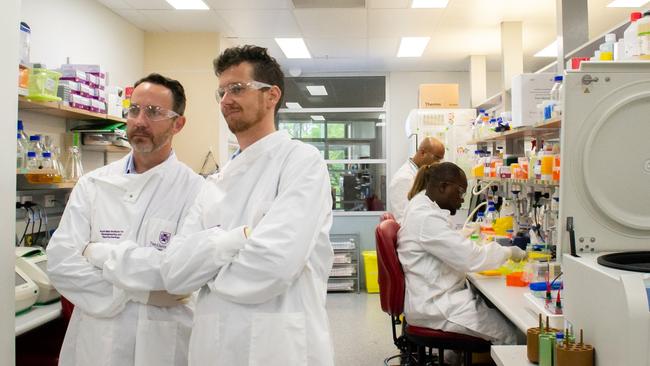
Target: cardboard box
438,96
529,90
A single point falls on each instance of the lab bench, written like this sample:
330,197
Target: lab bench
512,303
37,316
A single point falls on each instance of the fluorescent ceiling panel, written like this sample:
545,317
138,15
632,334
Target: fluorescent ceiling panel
627,3
412,46
293,47
548,51
317,90
318,118
429,3
188,4
292,105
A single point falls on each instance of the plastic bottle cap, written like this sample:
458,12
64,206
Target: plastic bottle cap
20,125
558,78
18,136
480,214
35,138
610,37
483,110
47,154
647,13
634,16
31,154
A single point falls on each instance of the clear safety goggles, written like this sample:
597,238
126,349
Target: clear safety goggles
152,112
237,89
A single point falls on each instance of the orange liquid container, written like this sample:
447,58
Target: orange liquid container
547,167
556,169
478,170
515,170
523,165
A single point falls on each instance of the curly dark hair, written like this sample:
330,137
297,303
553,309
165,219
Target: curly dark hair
178,92
265,68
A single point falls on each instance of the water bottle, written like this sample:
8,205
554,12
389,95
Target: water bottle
21,131
35,144
46,161
32,161
492,214
21,155
632,46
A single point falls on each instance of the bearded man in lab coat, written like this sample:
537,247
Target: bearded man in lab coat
430,151
436,259
142,198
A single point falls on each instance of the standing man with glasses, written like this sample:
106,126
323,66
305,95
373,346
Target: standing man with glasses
436,259
267,305
142,198
430,151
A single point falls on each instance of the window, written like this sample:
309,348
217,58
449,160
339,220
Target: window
348,127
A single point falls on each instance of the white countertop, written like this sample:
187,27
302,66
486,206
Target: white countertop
510,356
509,300
36,316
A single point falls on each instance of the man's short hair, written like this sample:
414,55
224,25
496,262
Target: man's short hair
265,68
178,92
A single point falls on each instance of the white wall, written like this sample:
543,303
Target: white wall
403,96
8,78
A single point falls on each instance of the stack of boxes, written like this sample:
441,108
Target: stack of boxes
83,87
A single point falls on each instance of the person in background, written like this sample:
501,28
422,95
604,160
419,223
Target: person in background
436,259
143,197
430,151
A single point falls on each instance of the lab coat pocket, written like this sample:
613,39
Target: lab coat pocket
204,342
94,341
156,342
278,339
159,233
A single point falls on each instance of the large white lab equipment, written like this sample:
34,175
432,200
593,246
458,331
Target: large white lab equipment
605,208
26,292
33,262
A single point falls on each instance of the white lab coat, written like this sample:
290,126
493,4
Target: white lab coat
109,206
399,188
435,259
267,306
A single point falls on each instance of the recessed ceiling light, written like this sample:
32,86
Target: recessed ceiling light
429,3
292,105
293,47
318,118
627,3
412,46
317,90
188,4
382,116
548,51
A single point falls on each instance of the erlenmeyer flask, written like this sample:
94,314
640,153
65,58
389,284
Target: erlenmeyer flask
73,169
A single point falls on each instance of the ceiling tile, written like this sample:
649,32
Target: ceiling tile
115,4
249,4
388,4
188,20
261,23
403,22
337,48
383,47
149,4
139,20
267,43
326,23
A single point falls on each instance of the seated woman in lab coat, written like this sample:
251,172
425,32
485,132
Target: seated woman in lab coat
436,259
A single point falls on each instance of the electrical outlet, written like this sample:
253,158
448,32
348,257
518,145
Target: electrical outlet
24,199
48,200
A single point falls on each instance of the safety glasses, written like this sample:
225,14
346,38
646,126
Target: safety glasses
152,112
461,190
237,89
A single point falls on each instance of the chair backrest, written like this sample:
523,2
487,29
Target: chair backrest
386,216
391,275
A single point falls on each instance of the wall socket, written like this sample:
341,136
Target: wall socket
48,200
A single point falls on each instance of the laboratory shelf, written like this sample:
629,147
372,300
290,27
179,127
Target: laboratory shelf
510,356
106,148
345,276
545,129
59,109
530,182
22,184
37,316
